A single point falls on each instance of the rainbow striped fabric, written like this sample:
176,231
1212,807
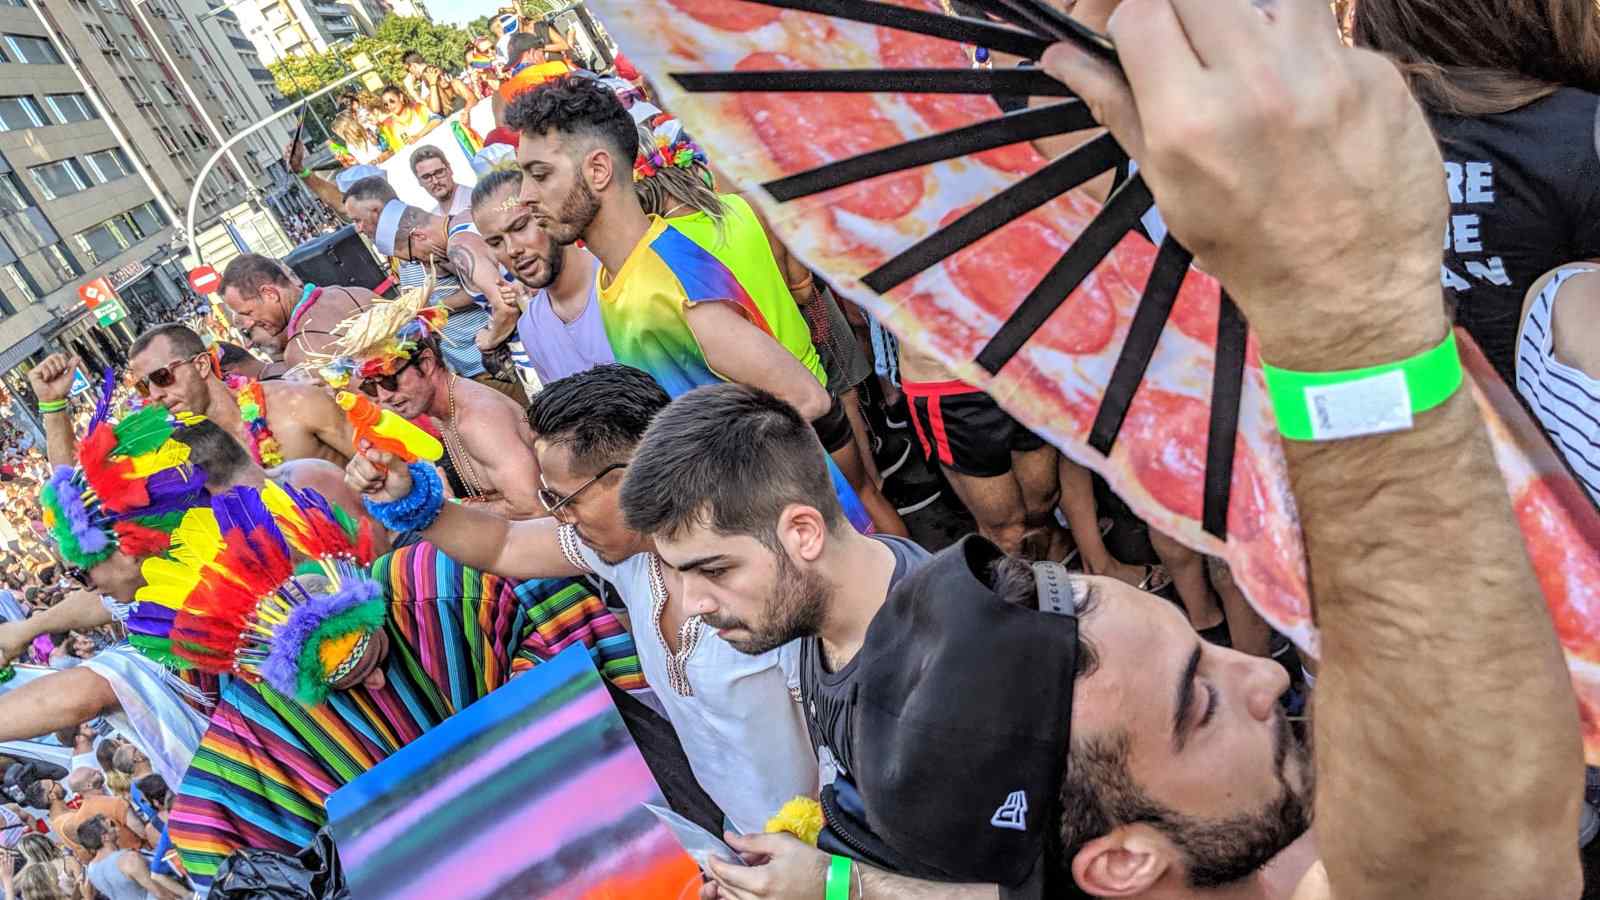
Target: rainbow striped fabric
267,764
643,309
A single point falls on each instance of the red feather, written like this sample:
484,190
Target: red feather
217,612
139,540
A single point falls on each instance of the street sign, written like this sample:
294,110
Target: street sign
111,311
79,383
93,293
204,279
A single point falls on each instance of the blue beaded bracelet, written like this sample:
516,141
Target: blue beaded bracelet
417,509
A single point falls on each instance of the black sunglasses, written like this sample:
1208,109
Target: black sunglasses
390,383
162,377
553,501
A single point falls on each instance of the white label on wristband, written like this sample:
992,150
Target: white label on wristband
1374,405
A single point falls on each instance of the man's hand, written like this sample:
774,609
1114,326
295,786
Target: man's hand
52,379
511,297
379,476
1222,106
783,868
295,156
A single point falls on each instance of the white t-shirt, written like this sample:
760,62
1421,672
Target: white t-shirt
460,203
742,728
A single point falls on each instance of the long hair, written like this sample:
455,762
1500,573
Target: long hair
36,848
680,190
1485,57
45,881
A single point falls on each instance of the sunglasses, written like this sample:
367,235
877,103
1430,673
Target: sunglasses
553,501
162,377
390,383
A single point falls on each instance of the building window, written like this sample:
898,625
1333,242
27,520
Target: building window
167,141
65,267
102,38
147,218
12,199
17,113
71,108
30,49
20,4
110,6
60,178
103,241
18,279
109,165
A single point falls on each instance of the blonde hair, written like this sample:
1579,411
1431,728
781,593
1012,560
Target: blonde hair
119,783
36,848
671,187
46,881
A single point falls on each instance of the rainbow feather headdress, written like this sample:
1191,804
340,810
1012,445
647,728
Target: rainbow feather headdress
667,152
268,584
130,487
380,339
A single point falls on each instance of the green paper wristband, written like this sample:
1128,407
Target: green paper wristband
52,406
1329,406
839,878
306,172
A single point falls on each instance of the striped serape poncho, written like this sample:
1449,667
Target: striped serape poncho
266,763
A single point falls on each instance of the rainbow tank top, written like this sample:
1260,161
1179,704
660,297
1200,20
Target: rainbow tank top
643,306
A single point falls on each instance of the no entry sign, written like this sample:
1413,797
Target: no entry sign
204,279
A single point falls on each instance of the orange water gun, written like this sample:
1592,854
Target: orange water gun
381,429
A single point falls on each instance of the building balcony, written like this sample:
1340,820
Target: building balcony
331,9
241,43
260,74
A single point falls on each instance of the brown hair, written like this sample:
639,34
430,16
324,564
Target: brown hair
1485,57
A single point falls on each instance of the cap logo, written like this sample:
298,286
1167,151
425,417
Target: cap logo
1013,813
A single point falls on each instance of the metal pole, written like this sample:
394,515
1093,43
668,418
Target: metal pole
100,108
188,90
194,195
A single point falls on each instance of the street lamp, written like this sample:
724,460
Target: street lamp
194,195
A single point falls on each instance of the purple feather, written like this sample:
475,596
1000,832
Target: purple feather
283,660
102,408
242,508
152,619
172,490
91,536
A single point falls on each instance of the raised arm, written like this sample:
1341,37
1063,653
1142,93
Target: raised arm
51,381
1302,172
59,700
795,869
740,352
473,537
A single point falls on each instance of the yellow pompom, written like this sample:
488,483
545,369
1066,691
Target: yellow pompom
801,817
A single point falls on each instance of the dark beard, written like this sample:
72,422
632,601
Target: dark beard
1220,852
558,258
793,610
577,213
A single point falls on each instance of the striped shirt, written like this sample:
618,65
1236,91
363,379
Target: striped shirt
1565,400
458,339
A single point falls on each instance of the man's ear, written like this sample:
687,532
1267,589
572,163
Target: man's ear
802,531
599,167
1125,863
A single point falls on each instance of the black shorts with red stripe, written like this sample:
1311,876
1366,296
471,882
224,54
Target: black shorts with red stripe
964,430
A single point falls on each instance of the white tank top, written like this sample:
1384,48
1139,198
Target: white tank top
1565,400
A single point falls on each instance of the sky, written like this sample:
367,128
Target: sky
460,12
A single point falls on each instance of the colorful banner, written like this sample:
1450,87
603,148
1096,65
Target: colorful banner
1056,383
479,117
537,790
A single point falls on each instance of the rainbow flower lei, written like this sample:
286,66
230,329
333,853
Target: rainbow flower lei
681,154
253,410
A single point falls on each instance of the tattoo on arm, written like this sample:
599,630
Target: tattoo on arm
463,263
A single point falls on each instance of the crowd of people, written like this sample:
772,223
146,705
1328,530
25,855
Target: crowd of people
810,561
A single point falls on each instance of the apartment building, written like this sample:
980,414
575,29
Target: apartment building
282,28
107,117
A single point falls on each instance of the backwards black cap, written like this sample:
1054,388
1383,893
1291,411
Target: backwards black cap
962,718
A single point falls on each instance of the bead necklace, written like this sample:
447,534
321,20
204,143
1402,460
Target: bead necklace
457,450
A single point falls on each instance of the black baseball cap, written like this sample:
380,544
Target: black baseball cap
963,718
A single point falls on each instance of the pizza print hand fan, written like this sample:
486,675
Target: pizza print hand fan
887,167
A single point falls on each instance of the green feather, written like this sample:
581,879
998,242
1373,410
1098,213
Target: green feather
312,689
143,431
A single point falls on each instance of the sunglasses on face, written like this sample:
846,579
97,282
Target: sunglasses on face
161,378
390,383
553,501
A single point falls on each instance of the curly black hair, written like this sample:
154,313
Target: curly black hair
580,106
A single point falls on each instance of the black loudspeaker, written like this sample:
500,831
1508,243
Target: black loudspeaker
339,258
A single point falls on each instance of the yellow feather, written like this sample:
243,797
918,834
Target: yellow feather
169,455
166,583
197,540
801,817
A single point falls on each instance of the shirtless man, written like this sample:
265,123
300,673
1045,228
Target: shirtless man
172,368
282,315
489,447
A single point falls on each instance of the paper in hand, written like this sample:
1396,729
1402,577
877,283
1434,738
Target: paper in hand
700,844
